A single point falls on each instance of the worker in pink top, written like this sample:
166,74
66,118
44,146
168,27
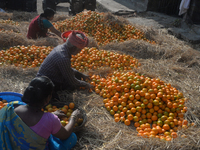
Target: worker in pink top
23,125
40,24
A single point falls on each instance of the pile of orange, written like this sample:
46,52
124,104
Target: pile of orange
103,30
67,109
24,56
154,107
6,31
87,59
9,22
92,58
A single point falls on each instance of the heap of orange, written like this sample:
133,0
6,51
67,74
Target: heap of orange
10,22
7,31
156,108
87,59
24,56
92,58
102,29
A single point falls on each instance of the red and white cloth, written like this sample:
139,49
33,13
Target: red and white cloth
77,41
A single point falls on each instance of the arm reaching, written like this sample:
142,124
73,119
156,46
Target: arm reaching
66,131
54,30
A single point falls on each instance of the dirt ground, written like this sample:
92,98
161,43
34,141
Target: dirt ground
170,59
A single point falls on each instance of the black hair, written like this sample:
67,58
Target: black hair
48,13
37,91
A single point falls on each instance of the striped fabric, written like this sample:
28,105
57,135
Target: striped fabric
57,66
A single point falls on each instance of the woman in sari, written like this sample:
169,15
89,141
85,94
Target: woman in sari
23,126
39,25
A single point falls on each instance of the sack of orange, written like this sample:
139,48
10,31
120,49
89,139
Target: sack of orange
3,103
67,109
154,107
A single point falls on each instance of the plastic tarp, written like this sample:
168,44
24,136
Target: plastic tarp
1,10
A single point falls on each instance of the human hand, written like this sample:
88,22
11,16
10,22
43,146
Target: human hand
59,113
76,114
89,86
85,77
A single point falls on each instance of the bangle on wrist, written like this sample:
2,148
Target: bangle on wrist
73,116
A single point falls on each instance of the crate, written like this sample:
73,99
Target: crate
10,96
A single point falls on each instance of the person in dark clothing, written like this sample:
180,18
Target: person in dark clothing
40,24
57,65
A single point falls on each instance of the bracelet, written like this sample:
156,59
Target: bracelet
73,116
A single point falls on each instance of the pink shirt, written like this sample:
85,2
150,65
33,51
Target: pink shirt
48,124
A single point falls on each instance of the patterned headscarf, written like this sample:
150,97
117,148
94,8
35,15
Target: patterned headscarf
76,40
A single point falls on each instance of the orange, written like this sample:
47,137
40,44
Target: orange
137,96
156,102
155,130
115,108
154,118
50,110
136,124
133,110
117,119
4,101
64,110
149,105
68,114
122,119
112,112
136,118
149,115
131,105
71,105
171,124
159,123
130,117
138,109
166,127
54,107
116,115
174,135
184,122
122,114
127,122
145,101
159,129
63,123
147,96
138,114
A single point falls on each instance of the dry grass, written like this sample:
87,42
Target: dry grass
171,60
